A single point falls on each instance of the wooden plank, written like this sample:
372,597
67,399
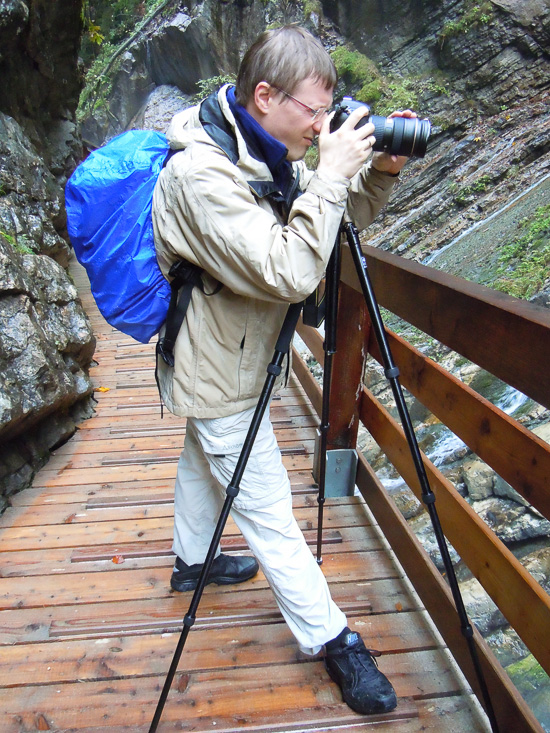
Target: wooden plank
145,529
120,583
125,492
137,550
250,695
162,470
241,645
425,715
146,554
92,439
120,506
217,610
142,452
515,453
452,310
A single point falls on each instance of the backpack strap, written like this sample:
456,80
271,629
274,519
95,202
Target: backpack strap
185,276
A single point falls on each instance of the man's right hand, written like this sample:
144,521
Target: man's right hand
344,151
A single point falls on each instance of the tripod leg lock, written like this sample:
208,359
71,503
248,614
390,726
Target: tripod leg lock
232,491
428,498
392,373
188,620
274,369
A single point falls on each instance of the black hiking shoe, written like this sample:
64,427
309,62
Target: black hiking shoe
225,570
353,667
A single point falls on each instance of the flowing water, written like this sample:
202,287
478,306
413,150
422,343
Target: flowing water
474,253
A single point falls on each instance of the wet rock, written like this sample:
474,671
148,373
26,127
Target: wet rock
31,201
510,521
423,528
46,342
46,345
478,478
481,609
162,104
538,564
506,645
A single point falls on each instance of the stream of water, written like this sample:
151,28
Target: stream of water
458,253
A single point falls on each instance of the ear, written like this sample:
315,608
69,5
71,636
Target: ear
263,97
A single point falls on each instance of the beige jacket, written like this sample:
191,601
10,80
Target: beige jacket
212,205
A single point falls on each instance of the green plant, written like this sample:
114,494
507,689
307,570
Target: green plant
312,7
524,263
473,15
19,244
212,84
370,92
10,239
354,67
362,77
463,195
397,94
437,87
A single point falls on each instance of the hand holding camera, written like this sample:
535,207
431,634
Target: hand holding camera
345,149
393,139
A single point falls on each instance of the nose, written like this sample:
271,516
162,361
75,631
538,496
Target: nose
318,123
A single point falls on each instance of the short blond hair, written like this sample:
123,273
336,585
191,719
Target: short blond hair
284,57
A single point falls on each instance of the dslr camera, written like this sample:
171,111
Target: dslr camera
394,135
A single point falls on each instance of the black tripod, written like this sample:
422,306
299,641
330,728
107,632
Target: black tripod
273,370
391,372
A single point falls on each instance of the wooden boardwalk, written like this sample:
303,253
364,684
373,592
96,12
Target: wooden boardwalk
89,624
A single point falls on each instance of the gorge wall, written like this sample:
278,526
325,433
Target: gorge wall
46,343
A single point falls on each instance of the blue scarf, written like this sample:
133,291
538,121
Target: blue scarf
262,145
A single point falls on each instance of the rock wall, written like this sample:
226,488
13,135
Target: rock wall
174,50
46,342
480,72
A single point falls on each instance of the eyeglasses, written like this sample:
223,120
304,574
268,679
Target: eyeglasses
315,113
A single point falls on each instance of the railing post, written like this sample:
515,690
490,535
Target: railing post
353,327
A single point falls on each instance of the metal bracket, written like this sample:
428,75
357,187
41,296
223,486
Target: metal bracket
340,471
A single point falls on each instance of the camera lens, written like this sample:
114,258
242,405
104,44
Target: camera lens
401,135
394,135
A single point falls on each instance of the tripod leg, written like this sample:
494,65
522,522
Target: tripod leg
428,497
273,370
329,346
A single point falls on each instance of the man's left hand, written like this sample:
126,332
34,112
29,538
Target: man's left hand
392,164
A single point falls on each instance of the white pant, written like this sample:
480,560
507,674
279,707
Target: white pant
263,512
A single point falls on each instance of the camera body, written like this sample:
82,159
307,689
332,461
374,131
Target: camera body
394,135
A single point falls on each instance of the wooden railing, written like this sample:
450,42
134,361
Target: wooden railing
510,339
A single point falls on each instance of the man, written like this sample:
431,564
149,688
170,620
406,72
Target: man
239,203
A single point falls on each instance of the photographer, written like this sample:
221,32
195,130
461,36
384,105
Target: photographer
239,203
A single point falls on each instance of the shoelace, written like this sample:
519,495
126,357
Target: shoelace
374,653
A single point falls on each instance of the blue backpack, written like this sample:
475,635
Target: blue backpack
108,200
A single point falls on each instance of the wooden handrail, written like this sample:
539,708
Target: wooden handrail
520,598
514,590
506,336
512,712
510,339
516,454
